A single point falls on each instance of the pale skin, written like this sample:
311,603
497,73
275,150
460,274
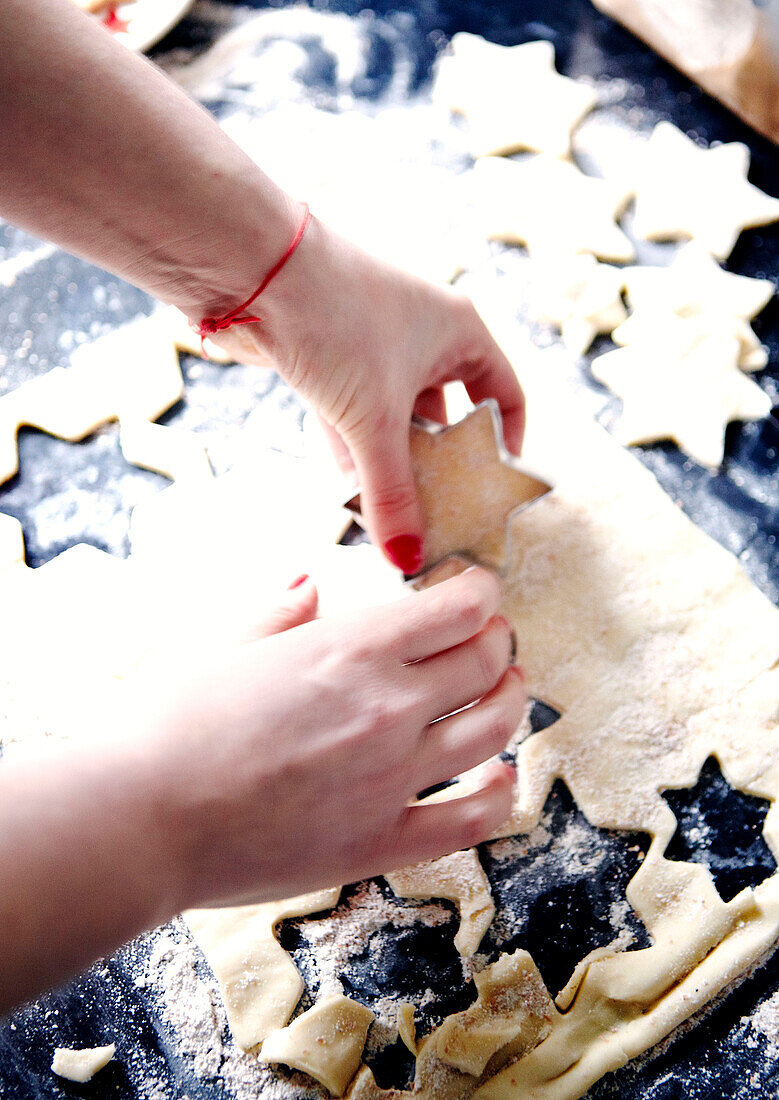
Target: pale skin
205,792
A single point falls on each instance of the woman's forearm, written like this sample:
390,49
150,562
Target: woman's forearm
85,863
102,154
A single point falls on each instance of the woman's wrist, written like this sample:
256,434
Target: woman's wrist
221,263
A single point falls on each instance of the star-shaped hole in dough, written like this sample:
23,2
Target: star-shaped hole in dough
695,289
582,297
551,207
688,395
512,96
563,884
722,828
470,517
69,493
683,191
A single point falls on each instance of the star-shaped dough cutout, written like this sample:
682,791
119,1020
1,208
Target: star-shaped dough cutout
582,297
686,332
512,96
685,191
694,288
688,395
551,207
469,517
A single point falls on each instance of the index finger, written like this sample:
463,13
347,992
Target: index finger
493,376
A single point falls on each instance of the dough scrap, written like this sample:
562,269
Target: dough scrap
259,982
470,516
582,297
459,878
512,1013
326,1042
689,393
407,1030
81,1065
694,289
684,191
504,1020
512,96
551,207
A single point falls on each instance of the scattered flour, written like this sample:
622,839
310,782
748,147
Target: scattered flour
192,1009
766,1023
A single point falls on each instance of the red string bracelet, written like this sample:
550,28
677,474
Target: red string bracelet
209,325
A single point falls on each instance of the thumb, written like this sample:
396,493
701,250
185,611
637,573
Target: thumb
297,606
390,503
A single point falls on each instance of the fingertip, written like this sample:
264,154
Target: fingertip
304,594
514,680
490,805
514,431
500,776
487,583
502,771
405,552
298,606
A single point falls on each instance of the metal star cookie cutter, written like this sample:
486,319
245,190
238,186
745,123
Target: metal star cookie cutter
465,470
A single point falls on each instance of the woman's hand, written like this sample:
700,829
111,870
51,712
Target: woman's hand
365,343
292,764
284,761
369,345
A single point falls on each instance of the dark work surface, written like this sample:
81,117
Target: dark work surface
567,911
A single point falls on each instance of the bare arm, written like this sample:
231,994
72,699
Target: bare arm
283,764
102,154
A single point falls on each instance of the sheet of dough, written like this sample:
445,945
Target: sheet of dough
658,651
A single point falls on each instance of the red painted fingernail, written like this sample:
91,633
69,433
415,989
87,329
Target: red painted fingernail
298,581
405,551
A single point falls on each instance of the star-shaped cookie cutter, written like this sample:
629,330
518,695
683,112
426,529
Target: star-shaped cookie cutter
463,471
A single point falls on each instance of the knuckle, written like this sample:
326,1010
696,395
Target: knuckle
379,716
489,659
502,631
390,713
393,498
516,697
362,647
499,730
473,609
466,308
477,822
